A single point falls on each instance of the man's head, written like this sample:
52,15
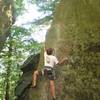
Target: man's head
49,51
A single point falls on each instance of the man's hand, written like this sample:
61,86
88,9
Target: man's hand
63,61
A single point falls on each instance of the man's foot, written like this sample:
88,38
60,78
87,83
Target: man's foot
54,98
33,86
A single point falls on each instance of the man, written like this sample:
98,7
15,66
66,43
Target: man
49,62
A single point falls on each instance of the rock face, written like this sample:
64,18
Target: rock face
22,88
74,33
6,19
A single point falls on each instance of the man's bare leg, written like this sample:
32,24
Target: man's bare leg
52,89
34,81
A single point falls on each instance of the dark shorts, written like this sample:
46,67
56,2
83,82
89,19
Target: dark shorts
49,74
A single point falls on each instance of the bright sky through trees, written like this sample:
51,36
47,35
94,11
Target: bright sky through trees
30,15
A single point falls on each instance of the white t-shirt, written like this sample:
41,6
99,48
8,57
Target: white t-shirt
50,60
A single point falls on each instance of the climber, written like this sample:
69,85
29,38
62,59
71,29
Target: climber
49,62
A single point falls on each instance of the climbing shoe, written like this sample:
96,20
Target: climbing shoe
54,98
33,86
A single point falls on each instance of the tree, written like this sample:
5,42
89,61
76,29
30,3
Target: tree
9,10
6,19
19,7
48,8
18,46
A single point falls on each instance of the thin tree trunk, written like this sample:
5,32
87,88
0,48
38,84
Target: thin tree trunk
8,71
7,95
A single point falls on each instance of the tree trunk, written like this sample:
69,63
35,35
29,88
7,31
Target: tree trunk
74,33
7,90
8,70
6,19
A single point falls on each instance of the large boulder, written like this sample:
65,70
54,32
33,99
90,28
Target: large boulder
24,83
75,33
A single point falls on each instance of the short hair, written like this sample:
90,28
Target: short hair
49,51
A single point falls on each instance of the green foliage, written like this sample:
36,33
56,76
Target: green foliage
17,48
18,7
22,39
48,8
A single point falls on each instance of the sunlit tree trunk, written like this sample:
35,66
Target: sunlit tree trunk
6,19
